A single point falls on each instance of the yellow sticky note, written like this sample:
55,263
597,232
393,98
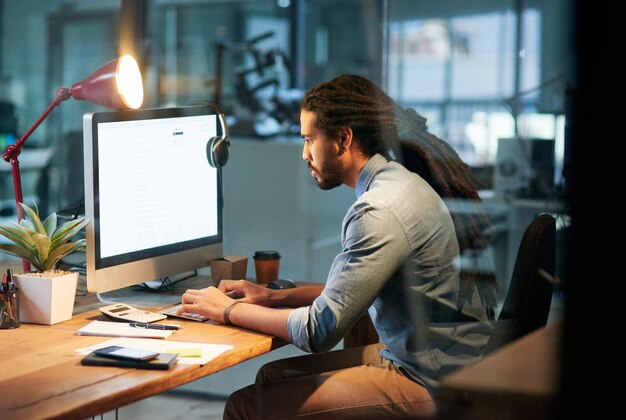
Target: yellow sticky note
187,352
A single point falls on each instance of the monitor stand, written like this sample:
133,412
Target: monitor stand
156,296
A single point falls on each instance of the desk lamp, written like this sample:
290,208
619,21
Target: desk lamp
117,85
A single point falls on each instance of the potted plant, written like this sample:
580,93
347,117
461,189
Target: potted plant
46,293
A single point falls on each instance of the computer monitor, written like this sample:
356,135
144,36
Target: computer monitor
153,199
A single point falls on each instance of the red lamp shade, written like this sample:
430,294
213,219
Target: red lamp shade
116,85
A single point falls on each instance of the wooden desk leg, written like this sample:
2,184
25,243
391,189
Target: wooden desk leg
361,334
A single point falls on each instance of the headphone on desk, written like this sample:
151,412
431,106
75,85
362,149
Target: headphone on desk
218,148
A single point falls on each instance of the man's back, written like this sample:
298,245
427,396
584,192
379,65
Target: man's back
415,311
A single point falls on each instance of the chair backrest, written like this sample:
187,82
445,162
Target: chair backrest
527,303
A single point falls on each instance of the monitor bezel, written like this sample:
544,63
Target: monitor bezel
111,273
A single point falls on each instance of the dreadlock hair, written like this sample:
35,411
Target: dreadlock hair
439,164
355,102
380,125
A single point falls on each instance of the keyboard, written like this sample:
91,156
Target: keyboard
171,311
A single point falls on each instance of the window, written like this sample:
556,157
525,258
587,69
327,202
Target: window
470,73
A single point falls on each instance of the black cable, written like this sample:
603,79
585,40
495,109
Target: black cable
166,284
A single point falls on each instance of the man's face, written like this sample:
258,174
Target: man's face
321,153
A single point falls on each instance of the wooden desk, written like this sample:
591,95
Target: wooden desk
519,381
41,375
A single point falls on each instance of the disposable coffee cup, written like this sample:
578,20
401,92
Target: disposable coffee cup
266,266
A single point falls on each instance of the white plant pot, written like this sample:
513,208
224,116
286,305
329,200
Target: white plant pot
46,300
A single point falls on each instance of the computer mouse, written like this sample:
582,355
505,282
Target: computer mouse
281,284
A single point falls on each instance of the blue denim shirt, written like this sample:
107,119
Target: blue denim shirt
399,261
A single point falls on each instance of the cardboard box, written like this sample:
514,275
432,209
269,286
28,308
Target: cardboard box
230,267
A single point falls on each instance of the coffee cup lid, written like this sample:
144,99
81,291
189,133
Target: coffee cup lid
266,255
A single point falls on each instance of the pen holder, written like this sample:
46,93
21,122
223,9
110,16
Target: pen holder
10,309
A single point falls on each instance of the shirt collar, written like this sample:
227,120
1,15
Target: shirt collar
367,173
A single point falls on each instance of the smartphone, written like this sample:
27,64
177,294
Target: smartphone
163,362
117,352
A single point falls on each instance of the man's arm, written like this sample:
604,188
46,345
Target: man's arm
260,295
272,321
249,305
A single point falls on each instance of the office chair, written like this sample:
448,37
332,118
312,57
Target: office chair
527,303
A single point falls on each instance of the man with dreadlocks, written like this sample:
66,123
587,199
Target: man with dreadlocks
399,262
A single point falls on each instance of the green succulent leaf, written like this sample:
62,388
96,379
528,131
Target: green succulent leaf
50,224
67,231
34,218
62,251
18,234
28,225
42,242
18,251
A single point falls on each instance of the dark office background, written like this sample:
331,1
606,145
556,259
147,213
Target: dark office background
593,357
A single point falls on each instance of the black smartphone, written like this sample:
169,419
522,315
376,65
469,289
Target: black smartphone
128,353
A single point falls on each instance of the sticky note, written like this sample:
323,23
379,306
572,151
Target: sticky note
187,352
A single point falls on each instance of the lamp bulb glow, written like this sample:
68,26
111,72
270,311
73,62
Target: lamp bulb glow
129,82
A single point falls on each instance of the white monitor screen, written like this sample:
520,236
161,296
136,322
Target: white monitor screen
153,199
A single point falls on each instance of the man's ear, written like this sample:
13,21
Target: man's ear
345,139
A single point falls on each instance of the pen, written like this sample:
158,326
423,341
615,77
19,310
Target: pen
154,326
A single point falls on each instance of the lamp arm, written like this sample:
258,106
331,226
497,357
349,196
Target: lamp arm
13,151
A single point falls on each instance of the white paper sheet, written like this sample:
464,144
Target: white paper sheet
120,329
209,351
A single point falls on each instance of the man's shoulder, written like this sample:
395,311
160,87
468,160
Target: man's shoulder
394,178
401,192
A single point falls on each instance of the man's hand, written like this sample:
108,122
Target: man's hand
209,302
246,292
261,309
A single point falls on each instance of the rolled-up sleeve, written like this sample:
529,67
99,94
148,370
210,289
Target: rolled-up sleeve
374,247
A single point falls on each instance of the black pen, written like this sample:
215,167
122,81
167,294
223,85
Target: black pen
10,284
154,326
